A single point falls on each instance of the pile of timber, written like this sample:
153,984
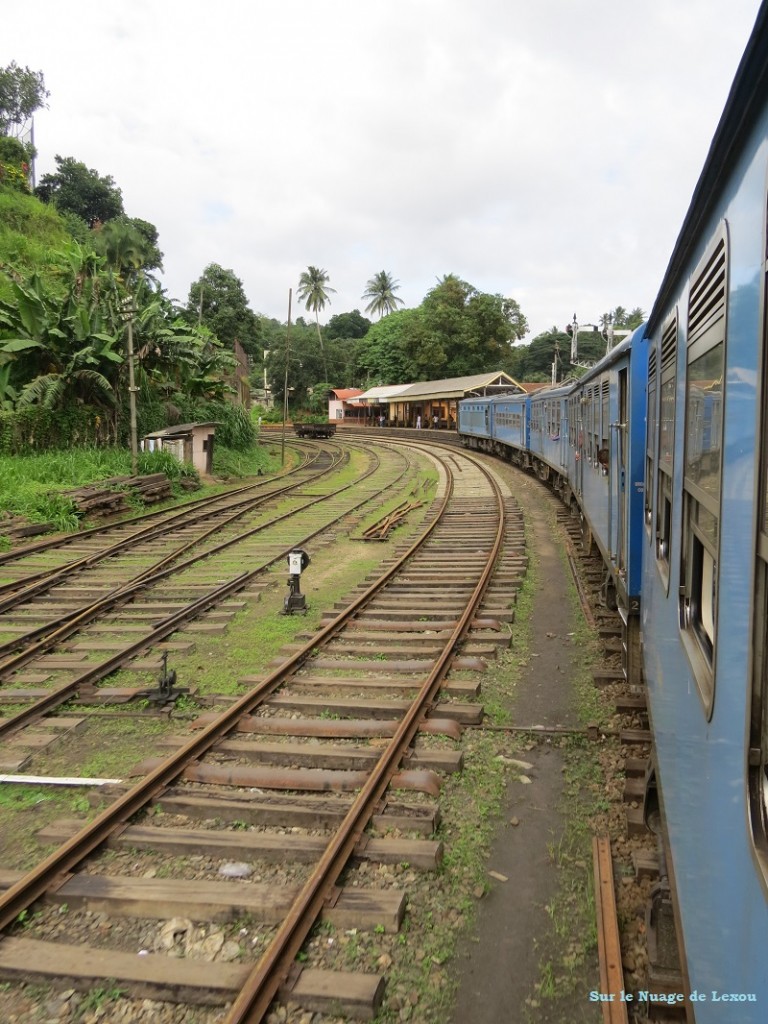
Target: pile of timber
105,498
17,528
110,497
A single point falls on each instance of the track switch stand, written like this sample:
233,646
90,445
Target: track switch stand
295,601
167,691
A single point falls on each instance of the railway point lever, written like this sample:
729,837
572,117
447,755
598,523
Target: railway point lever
295,601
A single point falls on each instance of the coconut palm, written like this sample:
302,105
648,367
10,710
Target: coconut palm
381,291
313,292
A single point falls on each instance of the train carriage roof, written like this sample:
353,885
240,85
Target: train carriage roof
744,105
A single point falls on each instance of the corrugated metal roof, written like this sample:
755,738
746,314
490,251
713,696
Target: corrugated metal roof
342,394
456,387
182,428
382,392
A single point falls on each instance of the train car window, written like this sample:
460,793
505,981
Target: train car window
701,470
666,428
604,447
650,443
589,420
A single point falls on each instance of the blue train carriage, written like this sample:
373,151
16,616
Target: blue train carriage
498,425
705,575
511,427
549,435
475,424
605,462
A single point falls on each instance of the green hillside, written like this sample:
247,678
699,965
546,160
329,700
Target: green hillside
29,232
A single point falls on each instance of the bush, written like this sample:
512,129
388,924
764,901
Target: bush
35,429
234,428
13,177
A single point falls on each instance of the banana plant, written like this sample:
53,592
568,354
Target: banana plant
61,345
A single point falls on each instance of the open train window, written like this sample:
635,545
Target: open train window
705,359
666,429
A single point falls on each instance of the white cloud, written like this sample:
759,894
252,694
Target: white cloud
547,151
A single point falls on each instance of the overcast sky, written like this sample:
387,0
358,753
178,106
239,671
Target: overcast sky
543,149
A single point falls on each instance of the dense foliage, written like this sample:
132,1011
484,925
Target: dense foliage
75,188
456,331
218,301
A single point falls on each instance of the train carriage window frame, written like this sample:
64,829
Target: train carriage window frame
650,444
758,731
701,470
665,428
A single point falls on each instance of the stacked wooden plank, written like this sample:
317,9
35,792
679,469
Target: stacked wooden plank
105,498
108,497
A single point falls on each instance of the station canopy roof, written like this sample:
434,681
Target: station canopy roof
383,393
458,387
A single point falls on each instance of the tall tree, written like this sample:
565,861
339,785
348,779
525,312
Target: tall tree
313,292
218,301
464,331
22,92
348,325
385,352
74,188
381,291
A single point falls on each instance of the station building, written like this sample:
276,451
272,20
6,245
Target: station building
428,404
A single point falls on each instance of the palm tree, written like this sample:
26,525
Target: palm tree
381,291
313,292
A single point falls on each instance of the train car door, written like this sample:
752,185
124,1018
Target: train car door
562,405
619,481
580,449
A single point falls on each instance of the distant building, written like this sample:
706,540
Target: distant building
342,402
433,403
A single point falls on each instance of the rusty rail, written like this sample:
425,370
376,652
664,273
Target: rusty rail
608,942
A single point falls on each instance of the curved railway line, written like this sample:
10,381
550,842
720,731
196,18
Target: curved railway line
331,760
173,571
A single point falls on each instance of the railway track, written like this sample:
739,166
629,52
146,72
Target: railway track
330,761
81,622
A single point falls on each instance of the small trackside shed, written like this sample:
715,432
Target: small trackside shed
189,442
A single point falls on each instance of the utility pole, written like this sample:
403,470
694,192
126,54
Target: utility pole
555,362
132,389
127,315
285,382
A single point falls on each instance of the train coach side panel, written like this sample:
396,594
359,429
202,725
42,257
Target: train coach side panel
510,421
702,758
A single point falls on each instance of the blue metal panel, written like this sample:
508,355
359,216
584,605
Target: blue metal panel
702,764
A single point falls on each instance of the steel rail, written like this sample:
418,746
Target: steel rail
72,621
172,622
53,870
180,510
608,940
272,970
44,580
